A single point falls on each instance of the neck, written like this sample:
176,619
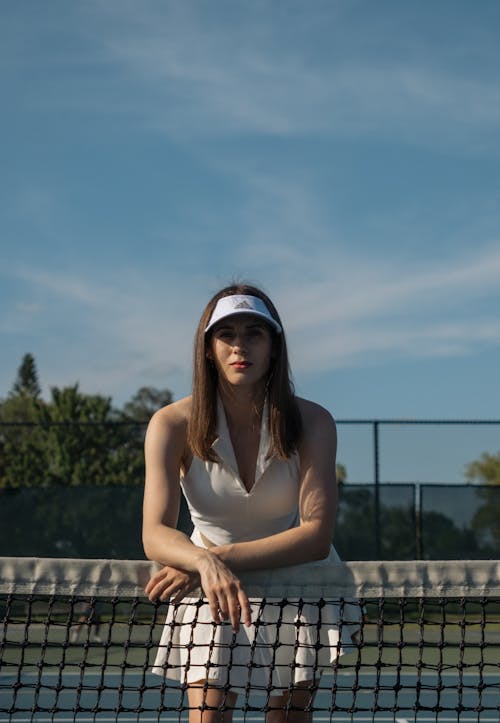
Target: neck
243,405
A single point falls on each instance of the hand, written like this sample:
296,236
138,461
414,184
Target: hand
171,583
224,591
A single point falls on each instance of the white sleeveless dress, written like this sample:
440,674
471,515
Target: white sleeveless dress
282,646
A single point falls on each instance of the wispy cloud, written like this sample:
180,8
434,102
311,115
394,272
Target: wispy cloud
67,287
391,309
366,290
240,77
244,76
109,336
364,312
28,308
368,344
343,302
191,72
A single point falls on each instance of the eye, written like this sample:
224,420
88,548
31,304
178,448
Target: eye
224,334
259,330
256,331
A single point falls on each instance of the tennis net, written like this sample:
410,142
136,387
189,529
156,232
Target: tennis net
80,639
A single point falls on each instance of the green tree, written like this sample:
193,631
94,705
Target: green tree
355,528
442,539
87,443
341,473
145,402
23,401
485,471
26,384
74,438
83,455
21,439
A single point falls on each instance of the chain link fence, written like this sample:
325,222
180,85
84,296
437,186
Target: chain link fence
432,522
378,517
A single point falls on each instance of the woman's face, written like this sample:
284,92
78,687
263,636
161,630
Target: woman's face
241,348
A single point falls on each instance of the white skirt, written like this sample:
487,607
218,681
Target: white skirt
287,643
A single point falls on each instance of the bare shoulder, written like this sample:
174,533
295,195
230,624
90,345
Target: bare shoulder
172,419
319,435
165,446
314,416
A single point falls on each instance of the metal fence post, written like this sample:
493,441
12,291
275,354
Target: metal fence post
376,469
418,521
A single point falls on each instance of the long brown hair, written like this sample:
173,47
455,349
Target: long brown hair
285,423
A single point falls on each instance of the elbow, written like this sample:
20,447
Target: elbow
149,555
322,549
148,551
149,547
318,541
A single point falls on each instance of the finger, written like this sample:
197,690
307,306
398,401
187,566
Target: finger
229,604
240,610
151,583
155,579
224,604
166,593
172,588
155,591
150,588
245,608
186,589
161,590
234,613
214,607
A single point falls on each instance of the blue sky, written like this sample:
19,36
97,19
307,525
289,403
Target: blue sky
343,154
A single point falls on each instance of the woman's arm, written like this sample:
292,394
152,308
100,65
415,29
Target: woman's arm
164,450
312,539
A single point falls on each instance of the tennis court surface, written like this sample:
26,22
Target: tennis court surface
79,639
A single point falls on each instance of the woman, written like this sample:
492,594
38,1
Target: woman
257,467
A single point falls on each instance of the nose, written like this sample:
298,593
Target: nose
239,341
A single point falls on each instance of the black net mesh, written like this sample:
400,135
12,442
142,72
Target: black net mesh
80,641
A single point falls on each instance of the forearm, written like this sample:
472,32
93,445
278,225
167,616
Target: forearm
186,566
169,546
298,545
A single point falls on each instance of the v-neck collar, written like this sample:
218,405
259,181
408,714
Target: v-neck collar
225,450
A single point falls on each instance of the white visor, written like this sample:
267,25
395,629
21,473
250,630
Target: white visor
242,304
